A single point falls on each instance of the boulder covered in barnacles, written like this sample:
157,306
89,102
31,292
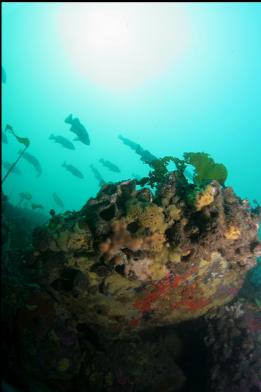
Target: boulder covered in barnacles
131,259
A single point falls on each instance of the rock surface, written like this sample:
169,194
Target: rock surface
88,307
130,260
233,339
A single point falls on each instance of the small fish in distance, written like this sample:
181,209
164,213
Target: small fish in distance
72,169
15,170
145,155
111,166
25,197
97,175
63,141
78,129
33,161
58,200
37,206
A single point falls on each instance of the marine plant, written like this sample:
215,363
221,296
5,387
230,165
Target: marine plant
25,141
159,173
205,170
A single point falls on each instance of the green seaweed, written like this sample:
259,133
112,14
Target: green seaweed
160,171
205,168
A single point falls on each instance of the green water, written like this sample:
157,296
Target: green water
205,97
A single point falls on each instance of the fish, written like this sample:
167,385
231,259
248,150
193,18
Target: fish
33,161
3,75
24,140
63,141
145,155
73,170
111,166
15,170
4,138
57,200
78,129
37,206
97,175
25,195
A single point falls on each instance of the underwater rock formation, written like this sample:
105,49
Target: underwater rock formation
130,260
234,345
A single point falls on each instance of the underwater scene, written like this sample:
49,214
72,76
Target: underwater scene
131,191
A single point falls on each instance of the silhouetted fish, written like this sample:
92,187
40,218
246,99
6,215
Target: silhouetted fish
63,141
4,138
72,169
145,155
58,200
33,161
111,166
25,197
15,169
78,129
37,206
3,75
97,175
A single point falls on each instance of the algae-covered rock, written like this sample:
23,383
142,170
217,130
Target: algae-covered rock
128,264
232,233
149,260
204,198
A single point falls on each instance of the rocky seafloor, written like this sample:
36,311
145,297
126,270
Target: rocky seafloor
135,292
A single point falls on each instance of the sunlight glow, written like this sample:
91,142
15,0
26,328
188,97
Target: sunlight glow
120,45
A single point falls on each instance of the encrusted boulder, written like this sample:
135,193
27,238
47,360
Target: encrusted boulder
130,260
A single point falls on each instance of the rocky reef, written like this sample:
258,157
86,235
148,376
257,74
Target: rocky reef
130,261
233,338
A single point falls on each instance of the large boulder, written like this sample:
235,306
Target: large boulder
130,260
